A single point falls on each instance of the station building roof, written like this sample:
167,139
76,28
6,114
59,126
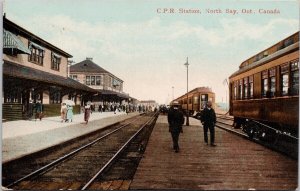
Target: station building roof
20,71
18,30
88,66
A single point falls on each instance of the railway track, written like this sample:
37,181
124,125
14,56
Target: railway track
281,145
81,167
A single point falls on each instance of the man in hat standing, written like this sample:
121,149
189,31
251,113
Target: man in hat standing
208,120
176,120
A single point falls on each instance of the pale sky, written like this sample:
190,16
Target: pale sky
147,49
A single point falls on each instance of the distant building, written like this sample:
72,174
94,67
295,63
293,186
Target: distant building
151,103
109,87
34,69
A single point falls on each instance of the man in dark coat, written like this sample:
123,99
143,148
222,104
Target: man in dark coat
176,120
208,119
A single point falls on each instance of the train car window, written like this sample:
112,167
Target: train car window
284,79
196,100
235,90
284,84
264,77
204,99
246,87
264,87
288,42
251,86
260,56
295,77
272,86
272,74
190,100
241,89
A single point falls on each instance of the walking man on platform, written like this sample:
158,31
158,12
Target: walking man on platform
176,120
208,120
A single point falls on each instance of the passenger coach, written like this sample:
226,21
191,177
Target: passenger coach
197,99
266,88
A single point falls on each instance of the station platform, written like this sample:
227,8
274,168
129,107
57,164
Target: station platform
234,164
23,137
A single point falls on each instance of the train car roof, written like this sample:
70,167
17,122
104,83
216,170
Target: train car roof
269,58
199,90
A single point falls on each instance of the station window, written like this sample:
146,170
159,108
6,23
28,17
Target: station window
74,77
241,89
88,80
251,86
272,74
246,87
55,61
36,56
284,77
93,80
295,77
98,80
264,82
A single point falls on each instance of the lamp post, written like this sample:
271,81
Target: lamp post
187,92
172,93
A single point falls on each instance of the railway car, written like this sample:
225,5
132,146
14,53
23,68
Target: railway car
265,89
197,99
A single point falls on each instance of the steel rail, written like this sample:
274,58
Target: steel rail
230,130
116,155
255,140
57,161
276,130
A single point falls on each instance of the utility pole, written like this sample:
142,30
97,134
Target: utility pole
187,92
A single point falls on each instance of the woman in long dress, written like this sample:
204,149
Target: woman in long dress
63,112
69,113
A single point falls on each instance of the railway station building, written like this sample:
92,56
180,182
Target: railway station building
108,87
35,70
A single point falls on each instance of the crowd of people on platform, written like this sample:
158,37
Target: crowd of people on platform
110,107
66,110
